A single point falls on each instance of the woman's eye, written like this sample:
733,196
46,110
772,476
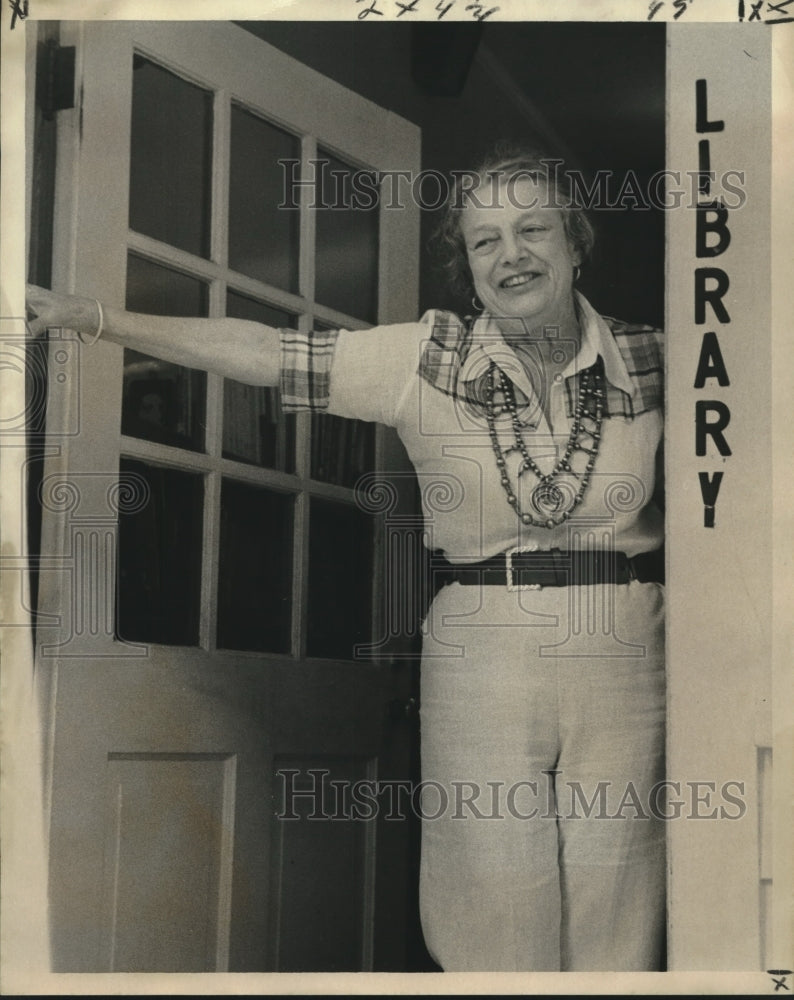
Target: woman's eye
534,229
484,242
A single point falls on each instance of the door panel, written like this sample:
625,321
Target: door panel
157,810
322,865
198,538
177,870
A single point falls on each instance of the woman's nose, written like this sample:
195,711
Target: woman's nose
513,249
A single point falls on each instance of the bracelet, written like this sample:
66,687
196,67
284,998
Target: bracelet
98,334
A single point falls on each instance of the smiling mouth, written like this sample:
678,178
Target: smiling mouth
516,280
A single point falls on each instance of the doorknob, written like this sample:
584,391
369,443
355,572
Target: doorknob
400,708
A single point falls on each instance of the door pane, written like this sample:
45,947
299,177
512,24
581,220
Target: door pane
263,238
159,555
255,569
254,428
340,579
162,401
342,450
170,158
347,241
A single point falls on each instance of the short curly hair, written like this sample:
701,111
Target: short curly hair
510,164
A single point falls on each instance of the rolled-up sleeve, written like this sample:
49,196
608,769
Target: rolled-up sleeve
361,374
306,360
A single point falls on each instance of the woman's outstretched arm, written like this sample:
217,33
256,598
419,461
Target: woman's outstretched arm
235,348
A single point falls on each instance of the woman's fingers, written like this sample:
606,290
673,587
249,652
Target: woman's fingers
46,309
39,310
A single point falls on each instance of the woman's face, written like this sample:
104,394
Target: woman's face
520,257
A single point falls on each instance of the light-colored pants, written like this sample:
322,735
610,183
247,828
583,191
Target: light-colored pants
542,717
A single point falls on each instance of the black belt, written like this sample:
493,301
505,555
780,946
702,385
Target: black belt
519,568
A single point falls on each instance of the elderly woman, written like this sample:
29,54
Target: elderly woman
542,673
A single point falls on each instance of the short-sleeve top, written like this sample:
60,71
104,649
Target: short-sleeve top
427,379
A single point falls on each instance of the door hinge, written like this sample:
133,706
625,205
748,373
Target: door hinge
55,70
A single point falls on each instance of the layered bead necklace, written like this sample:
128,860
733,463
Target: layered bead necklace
552,502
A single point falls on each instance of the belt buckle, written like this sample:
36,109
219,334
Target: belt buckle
511,586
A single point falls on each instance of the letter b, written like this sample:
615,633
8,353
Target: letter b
717,225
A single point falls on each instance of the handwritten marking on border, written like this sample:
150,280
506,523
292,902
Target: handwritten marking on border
779,978
19,9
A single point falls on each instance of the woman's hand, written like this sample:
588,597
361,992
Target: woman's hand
47,309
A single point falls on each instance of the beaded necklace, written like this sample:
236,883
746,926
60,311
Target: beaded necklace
552,502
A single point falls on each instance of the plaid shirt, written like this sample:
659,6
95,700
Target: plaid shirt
449,364
452,343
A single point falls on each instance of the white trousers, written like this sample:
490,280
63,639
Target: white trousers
542,716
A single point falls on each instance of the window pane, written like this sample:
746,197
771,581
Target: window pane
170,158
254,428
340,579
162,401
255,569
347,241
263,238
342,450
159,554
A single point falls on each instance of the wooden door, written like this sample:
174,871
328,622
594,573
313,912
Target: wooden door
213,656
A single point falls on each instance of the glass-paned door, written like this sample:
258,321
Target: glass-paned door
238,573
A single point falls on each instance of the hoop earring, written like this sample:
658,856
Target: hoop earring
576,272
476,305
